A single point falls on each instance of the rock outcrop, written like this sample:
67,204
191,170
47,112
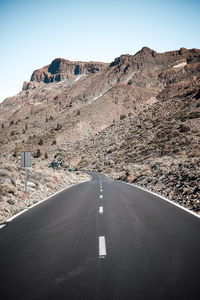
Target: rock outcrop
61,69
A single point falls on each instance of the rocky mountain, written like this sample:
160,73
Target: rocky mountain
156,147
61,69
122,118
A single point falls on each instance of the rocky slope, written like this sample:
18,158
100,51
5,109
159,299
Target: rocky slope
42,182
136,119
157,147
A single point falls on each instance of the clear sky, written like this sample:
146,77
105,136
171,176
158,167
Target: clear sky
34,32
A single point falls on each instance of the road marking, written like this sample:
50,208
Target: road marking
18,214
102,247
101,190
1,226
101,210
101,196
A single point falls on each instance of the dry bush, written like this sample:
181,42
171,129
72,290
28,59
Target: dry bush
55,176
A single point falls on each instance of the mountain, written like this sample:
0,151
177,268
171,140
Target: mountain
61,69
136,118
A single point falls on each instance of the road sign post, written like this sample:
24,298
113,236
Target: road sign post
25,163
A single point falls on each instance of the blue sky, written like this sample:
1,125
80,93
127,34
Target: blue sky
33,33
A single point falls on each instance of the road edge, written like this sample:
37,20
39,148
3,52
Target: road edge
41,201
163,198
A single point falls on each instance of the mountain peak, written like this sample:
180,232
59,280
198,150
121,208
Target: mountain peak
146,51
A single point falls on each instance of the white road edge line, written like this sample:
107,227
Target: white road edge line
1,226
19,213
169,201
102,247
23,211
101,210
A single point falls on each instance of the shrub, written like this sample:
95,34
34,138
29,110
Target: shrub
122,117
11,201
40,142
54,142
12,133
15,153
78,112
11,122
55,176
59,126
38,154
2,125
46,155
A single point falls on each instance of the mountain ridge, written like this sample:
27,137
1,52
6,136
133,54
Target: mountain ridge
61,116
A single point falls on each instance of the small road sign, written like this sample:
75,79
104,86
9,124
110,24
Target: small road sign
26,162
26,159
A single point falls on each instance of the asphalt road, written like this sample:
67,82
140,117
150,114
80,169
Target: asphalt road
136,246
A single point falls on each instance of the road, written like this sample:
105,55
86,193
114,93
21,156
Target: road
101,240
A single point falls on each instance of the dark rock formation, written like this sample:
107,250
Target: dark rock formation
61,69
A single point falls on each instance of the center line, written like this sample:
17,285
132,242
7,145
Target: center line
101,196
101,210
102,247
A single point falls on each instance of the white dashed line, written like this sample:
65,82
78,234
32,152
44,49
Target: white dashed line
101,210
102,247
101,196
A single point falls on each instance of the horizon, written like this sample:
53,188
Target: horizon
33,34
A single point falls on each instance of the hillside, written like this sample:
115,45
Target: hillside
136,119
156,147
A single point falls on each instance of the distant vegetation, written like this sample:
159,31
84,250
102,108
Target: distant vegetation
122,117
40,142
